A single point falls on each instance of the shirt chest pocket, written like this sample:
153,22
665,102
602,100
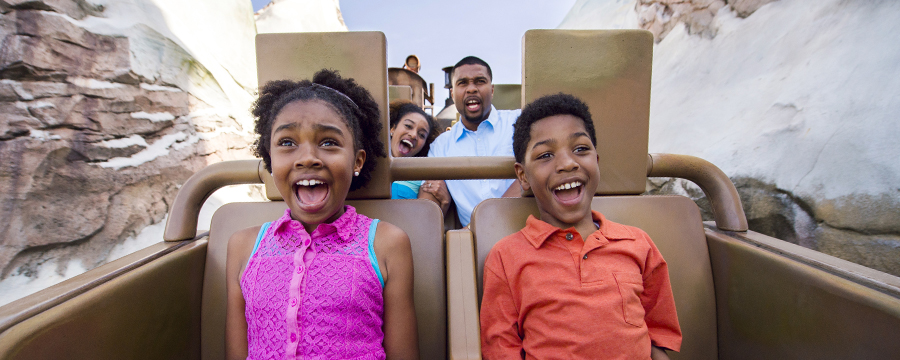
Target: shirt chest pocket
631,286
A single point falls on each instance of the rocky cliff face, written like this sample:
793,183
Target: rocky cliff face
657,16
697,16
792,100
107,107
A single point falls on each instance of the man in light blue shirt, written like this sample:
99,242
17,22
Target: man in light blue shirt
481,131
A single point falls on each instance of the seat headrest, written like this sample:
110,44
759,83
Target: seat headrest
610,71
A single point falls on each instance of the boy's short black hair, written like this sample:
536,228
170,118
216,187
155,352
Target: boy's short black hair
350,100
472,60
547,106
400,107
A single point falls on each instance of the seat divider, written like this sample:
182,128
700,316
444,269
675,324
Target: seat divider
462,301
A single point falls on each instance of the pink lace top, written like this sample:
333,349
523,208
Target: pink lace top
314,296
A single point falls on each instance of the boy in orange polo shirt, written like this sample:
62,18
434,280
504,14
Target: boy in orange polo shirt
572,284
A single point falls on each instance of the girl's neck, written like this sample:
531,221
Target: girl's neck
310,227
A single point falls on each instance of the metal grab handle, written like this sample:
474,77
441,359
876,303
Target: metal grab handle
722,195
182,221
453,168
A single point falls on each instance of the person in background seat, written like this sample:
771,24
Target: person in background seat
572,284
412,131
482,131
412,64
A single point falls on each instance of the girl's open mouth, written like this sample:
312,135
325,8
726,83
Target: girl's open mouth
569,193
405,147
311,194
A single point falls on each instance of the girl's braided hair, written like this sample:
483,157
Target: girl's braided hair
350,100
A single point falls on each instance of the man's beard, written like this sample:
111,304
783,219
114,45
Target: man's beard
485,113
475,120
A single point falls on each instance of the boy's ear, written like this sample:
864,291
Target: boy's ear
520,174
360,160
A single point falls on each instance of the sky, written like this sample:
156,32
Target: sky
441,33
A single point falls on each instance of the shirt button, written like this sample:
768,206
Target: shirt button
293,337
293,302
569,236
585,257
306,243
300,269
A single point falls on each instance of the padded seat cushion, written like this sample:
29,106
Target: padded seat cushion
422,221
674,224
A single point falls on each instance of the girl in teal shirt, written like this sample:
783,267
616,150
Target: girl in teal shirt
412,131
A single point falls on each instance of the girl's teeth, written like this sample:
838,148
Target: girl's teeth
309,182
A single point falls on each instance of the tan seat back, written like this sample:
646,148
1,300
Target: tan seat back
674,224
610,71
422,221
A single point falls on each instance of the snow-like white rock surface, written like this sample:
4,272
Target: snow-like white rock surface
219,34
286,16
799,94
154,233
604,14
20,285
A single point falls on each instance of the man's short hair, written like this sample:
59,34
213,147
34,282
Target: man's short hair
471,60
544,107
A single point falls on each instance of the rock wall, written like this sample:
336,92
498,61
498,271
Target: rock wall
792,100
107,107
657,16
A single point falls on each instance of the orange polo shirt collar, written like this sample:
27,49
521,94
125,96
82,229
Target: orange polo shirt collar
537,231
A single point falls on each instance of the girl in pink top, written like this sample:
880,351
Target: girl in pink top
321,282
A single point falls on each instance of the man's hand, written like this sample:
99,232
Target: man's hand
436,190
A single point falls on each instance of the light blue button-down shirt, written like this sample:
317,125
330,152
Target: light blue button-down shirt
492,138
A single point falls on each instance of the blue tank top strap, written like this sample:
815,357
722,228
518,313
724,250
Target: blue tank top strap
262,232
372,258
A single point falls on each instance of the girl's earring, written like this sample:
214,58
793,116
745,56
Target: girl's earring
356,173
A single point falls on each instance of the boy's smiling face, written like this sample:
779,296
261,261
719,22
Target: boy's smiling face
561,169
